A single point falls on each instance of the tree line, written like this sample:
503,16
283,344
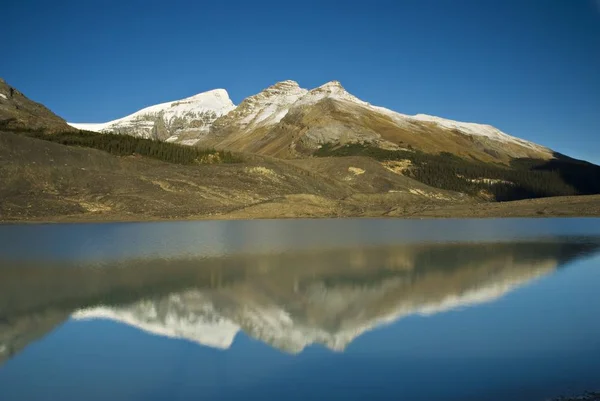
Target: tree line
125,145
523,179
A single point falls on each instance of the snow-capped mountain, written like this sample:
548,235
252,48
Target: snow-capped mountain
330,115
331,90
285,120
170,121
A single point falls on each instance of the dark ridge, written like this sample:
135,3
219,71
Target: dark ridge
583,176
125,145
523,179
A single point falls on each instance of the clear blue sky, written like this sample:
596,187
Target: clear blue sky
529,67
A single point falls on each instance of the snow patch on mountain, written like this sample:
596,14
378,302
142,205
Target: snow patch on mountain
465,128
332,90
197,112
271,105
474,129
265,108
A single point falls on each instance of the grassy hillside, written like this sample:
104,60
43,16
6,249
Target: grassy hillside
42,178
523,179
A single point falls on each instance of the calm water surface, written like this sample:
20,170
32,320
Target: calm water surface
300,310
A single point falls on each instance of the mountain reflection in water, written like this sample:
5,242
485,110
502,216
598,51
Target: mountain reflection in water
288,300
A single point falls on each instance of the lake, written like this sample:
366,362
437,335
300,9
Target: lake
357,309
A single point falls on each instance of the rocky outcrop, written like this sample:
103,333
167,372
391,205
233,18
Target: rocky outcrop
17,112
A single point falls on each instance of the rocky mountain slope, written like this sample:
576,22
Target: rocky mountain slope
287,121
17,112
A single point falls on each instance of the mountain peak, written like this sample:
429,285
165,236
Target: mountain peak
283,88
288,83
214,93
267,107
216,99
333,90
332,85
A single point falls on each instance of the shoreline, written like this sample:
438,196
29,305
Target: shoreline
587,206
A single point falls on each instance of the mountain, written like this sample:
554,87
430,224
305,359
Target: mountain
184,121
330,115
256,113
296,153
291,123
17,112
287,121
